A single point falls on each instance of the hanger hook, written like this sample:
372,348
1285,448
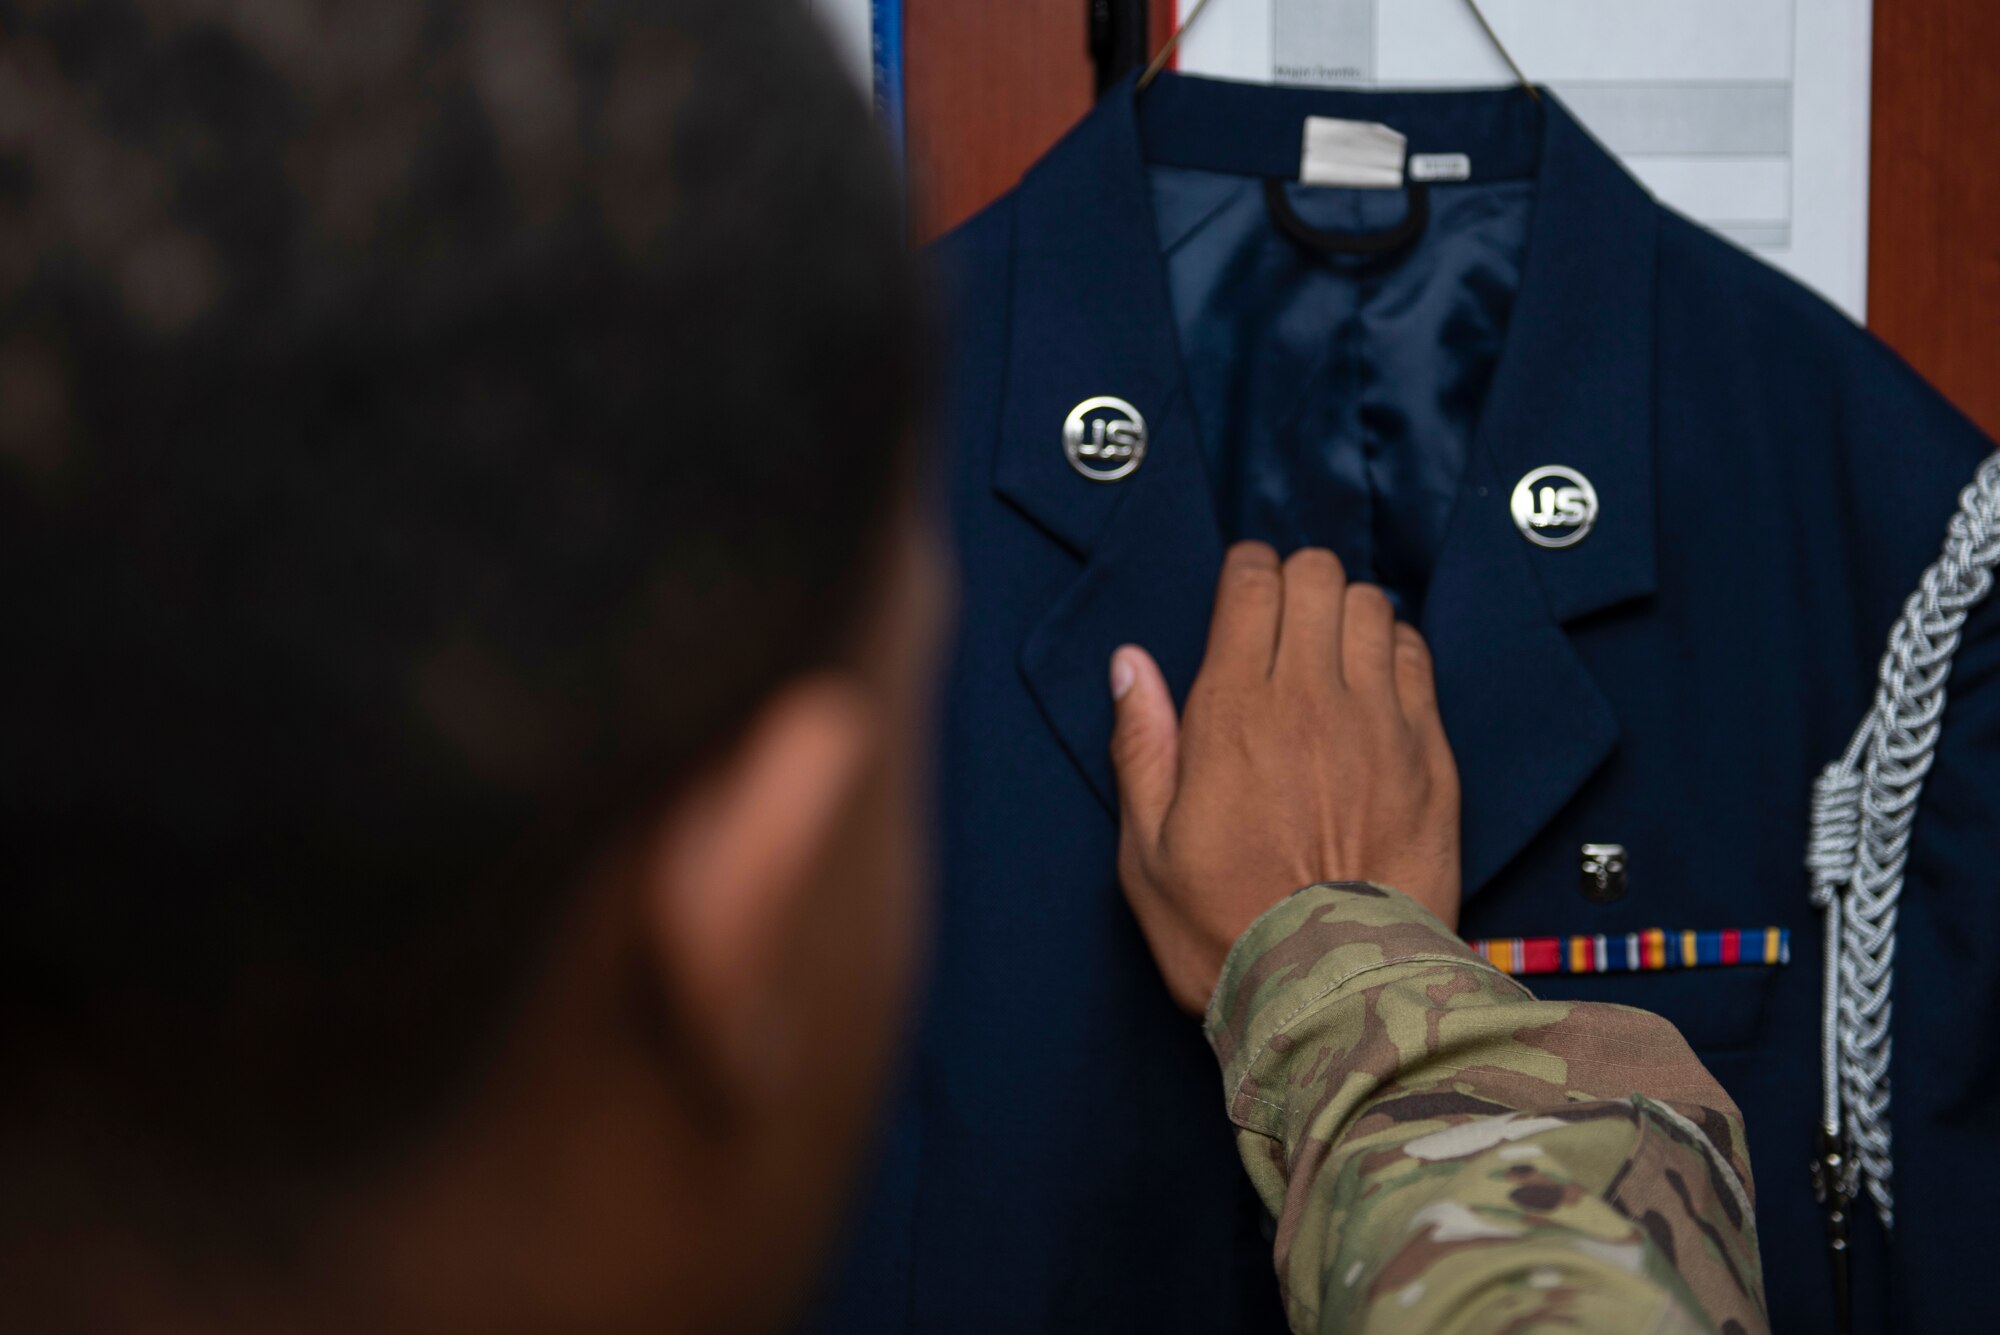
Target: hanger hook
1501,47
1167,51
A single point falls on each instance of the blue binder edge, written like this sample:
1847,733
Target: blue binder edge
887,22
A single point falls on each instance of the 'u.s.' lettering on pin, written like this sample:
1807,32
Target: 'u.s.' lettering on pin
1104,438
1554,506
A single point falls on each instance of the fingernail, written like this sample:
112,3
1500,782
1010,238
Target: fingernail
1122,675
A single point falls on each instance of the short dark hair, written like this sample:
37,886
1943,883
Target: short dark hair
425,431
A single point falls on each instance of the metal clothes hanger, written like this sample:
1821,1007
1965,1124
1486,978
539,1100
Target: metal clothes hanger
1173,42
1167,51
1501,47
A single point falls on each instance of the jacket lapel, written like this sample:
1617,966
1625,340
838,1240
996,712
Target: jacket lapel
1527,723
1574,386
1149,581
1091,315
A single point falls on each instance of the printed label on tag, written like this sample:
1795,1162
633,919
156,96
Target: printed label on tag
1351,153
1440,167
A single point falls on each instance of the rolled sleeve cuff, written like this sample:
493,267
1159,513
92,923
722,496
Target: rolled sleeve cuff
1302,955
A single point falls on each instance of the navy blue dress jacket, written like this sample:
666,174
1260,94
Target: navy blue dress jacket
1771,484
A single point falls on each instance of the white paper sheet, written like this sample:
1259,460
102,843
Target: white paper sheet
1748,115
848,21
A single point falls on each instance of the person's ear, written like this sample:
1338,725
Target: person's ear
727,879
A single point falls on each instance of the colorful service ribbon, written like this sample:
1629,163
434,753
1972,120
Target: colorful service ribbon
1636,952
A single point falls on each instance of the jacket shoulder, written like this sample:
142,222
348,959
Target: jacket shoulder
973,258
1765,384
1795,343
971,269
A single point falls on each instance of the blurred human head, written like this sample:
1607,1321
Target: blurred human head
468,621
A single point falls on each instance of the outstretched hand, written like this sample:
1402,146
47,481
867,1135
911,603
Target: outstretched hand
1311,751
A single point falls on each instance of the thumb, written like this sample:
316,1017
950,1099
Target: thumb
1145,739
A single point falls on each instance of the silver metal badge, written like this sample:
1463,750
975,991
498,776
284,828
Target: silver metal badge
1554,506
1603,873
1104,438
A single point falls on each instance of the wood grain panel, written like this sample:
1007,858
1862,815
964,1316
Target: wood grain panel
988,86
1934,201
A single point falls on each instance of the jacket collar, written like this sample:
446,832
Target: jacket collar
1091,315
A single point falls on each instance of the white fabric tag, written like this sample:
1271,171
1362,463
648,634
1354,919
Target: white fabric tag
1351,153
1440,167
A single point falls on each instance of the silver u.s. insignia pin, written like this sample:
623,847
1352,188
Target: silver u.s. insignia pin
1104,438
1554,506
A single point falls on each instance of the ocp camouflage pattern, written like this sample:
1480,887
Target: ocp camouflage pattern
1443,1152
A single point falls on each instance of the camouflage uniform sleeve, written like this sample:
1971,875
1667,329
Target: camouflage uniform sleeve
1443,1152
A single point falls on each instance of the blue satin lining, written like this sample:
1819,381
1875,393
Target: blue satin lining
1337,396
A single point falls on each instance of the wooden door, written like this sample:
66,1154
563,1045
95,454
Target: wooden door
1934,195
988,86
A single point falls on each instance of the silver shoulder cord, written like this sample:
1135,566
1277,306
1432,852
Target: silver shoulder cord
1863,807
